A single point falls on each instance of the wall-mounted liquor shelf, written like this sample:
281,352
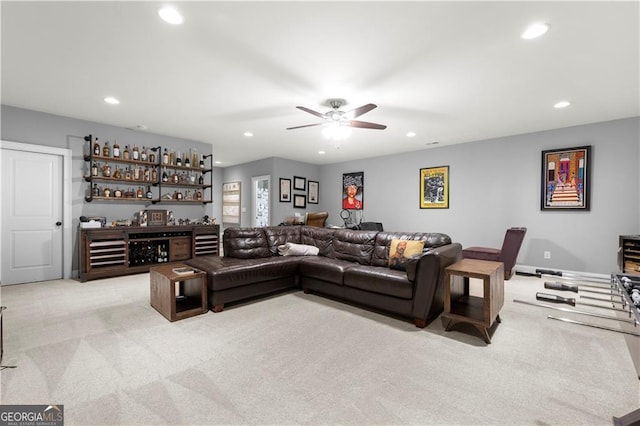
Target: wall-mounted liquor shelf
147,175
110,252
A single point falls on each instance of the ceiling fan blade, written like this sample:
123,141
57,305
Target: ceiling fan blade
366,125
310,111
306,125
360,110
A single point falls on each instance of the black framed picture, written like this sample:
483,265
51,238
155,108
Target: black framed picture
566,179
299,201
312,192
299,183
285,190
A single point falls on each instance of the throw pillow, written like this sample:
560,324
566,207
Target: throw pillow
401,251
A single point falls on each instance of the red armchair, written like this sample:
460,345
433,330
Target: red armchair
508,254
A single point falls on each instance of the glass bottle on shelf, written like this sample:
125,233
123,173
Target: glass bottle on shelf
154,175
106,170
96,148
94,169
126,154
179,195
201,180
172,158
106,150
146,175
136,173
178,159
139,192
127,174
165,176
117,174
95,191
116,149
165,157
149,193
201,163
117,193
187,161
107,192
143,154
152,157
199,195
135,153
194,158
175,178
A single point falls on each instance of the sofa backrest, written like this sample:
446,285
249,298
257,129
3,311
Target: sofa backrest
279,235
245,243
318,237
380,256
354,246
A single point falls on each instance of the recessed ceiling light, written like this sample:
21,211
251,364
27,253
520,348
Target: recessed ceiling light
321,152
248,134
111,100
411,134
170,15
535,31
562,104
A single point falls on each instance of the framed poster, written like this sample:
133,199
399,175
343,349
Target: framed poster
299,183
299,201
231,203
285,190
312,193
353,191
434,188
566,179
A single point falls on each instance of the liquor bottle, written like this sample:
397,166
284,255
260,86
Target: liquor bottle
146,175
136,153
199,195
154,175
165,157
194,158
139,192
117,193
200,180
117,174
94,169
165,176
106,170
201,164
187,162
126,154
175,178
95,192
178,195
127,174
143,154
96,148
106,150
136,173
116,149
107,192
172,157
149,193
178,159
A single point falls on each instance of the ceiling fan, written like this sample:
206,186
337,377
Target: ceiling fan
342,118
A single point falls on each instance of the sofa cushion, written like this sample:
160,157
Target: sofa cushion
229,272
245,243
291,249
380,256
323,268
279,235
318,237
379,280
400,251
354,246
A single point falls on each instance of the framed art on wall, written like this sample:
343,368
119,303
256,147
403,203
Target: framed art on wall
566,179
299,183
285,190
434,188
312,194
299,201
231,203
353,191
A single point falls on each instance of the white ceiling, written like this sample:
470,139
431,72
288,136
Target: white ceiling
452,72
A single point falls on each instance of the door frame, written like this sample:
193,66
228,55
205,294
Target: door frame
66,154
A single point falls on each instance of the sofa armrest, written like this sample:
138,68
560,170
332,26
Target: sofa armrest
428,273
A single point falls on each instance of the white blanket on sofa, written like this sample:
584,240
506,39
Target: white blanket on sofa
292,249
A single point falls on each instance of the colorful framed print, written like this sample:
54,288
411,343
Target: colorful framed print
566,179
434,188
353,191
285,190
312,192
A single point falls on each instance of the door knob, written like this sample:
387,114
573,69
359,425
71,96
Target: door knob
58,223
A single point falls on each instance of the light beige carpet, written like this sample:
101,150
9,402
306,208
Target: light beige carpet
103,352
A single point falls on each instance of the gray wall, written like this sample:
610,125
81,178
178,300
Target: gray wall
20,125
495,184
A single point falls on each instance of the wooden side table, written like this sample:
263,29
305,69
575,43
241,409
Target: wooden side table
178,296
459,306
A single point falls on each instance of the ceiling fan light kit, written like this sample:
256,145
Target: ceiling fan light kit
339,121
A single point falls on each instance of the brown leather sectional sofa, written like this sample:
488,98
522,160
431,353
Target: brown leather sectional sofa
351,265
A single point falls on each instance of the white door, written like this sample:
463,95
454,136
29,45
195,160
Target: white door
260,195
32,214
